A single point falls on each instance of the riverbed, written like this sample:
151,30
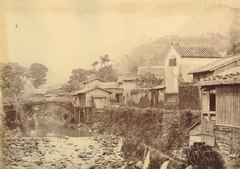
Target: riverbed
64,152
46,145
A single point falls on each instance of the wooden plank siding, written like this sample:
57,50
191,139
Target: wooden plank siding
228,105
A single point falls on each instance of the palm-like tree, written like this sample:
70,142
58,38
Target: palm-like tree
104,60
94,64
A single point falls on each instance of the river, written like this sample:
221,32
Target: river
47,144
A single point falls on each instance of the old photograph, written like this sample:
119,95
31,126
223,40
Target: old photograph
119,84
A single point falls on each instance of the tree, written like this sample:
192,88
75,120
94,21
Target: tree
104,60
94,64
38,73
76,78
235,49
107,73
148,81
11,79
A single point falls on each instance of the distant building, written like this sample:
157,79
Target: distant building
127,83
224,65
180,60
92,82
92,97
116,92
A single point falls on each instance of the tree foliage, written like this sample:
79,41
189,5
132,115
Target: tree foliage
235,49
38,73
148,81
94,64
107,73
11,79
76,78
104,60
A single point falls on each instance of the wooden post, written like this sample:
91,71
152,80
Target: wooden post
79,115
86,110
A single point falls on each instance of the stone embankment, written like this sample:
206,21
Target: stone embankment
164,131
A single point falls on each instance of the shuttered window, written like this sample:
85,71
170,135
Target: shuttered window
173,62
212,102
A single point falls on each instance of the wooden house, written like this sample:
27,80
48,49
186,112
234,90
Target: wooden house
127,83
116,92
180,60
157,95
92,97
221,99
220,66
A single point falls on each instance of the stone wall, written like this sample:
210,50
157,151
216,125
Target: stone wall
162,130
228,145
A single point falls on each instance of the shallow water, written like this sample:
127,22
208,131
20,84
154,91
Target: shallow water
45,127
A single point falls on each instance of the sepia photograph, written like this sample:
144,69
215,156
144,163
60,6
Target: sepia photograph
119,84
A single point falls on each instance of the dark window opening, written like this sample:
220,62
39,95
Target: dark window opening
198,77
212,102
173,62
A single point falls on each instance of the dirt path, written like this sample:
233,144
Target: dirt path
64,152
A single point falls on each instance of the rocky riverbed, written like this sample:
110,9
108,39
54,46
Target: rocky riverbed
95,152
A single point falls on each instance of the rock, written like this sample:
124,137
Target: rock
130,162
82,155
66,137
119,164
139,165
94,166
38,162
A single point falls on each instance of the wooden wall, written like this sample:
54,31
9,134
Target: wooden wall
228,105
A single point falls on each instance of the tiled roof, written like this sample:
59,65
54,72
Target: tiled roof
126,78
109,85
232,78
92,79
216,64
196,51
86,90
156,70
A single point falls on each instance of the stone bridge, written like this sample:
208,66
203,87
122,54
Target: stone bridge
59,109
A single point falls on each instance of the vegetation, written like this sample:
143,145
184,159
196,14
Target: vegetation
38,73
77,76
13,77
105,72
104,60
235,49
148,80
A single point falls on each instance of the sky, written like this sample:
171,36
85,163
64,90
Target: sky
73,35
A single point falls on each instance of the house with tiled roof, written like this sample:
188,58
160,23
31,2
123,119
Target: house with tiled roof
92,97
92,82
127,82
224,65
116,92
180,60
220,95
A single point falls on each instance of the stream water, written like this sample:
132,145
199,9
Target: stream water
47,127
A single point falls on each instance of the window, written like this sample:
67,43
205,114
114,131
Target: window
173,62
212,102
